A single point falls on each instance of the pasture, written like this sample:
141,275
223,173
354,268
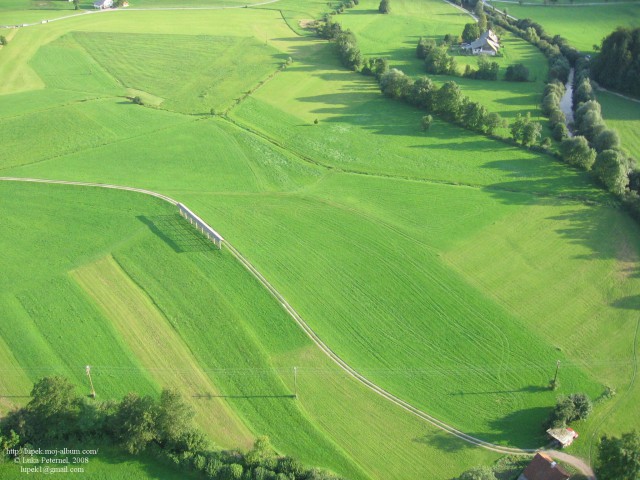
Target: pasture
583,25
624,116
396,36
143,315
451,269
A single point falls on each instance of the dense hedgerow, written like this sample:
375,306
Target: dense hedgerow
161,427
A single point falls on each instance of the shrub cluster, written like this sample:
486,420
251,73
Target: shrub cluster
577,406
385,6
487,70
340,6
517,73
525,131
163,428
619,457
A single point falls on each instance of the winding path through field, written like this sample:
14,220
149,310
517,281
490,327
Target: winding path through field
575,461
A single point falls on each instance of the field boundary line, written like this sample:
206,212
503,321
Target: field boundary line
583,200
311,333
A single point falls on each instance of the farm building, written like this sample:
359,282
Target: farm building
564,436
487,44
103,4
543,467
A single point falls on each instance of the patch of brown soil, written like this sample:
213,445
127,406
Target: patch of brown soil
307,23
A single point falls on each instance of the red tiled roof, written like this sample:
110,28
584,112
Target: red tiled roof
542,467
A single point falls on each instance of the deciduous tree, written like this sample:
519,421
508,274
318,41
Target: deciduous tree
619,457
576,151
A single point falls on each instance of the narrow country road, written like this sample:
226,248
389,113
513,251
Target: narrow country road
575,461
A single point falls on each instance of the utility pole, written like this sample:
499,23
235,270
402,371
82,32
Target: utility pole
93,390
295,382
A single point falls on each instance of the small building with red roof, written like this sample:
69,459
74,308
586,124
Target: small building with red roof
543,467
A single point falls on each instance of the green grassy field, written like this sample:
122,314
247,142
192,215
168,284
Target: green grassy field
583,25
142,312
396,36
451,269
623,116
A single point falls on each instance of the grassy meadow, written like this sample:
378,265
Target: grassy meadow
150,329
451,269
396,36
583,25
624,116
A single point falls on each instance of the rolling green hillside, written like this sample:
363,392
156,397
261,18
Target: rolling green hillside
451,269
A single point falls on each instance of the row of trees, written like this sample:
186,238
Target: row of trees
553,93
559,53
446,101
163,428
617,66
596,148
439,62
342,5
599,146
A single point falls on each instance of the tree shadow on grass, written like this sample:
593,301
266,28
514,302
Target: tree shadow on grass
444,442
527,389
176,232
630,303
208,396
153,468
599,224
514,430
521,429
370,11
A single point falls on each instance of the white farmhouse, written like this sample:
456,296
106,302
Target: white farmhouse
487,44
103,4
